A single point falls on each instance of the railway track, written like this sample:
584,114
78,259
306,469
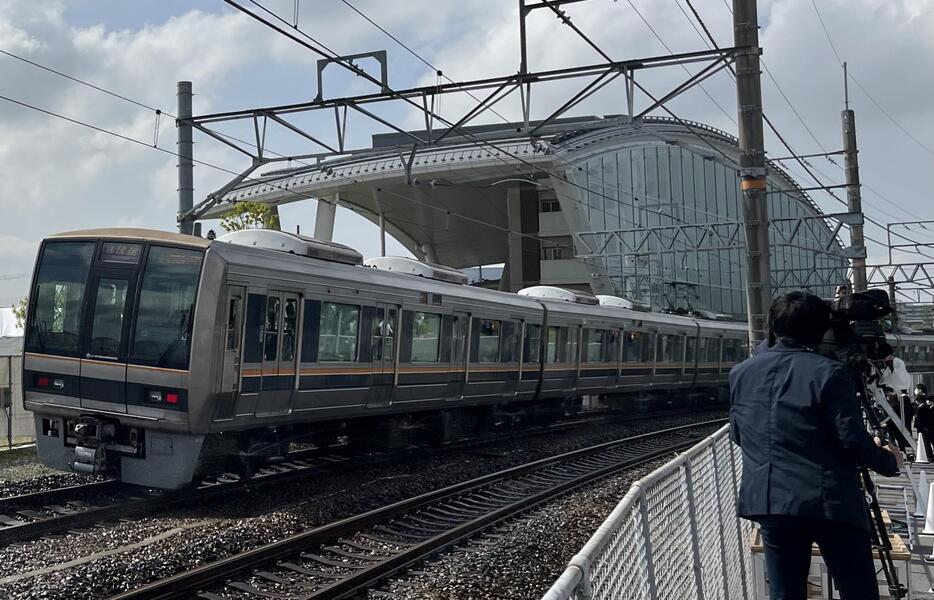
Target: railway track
50,512
340,559
63,509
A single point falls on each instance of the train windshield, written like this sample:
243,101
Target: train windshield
162,336
85,294
55,319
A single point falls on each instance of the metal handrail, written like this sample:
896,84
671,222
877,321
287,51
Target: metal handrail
575,582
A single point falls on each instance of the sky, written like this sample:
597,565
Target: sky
57,176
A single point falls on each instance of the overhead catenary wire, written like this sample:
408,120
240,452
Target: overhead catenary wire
229,171
326,52
808,168
852,77
438,71
158,112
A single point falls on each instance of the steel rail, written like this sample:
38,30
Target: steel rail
186,583
64,493
21,519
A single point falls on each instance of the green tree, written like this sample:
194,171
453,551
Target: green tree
251,215
19,311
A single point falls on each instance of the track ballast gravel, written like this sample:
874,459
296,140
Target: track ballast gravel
194,536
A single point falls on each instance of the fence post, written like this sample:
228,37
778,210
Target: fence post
692,528
721,526
739,530
647,536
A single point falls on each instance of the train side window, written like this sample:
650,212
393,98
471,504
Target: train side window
730,348
508,350
594,340
488,350
611,348
376,341
459,339
677,348
337,340
647,348
310,324
689,349
663,350
271,327
573,334
551,349
426,337
533,343
713,350
389,334
289,324
233,317
632,346
253,332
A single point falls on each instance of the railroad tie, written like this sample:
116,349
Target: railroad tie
310,572
328,561
245,587
352,555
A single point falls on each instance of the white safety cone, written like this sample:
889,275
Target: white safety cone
922,497
929,518
922,454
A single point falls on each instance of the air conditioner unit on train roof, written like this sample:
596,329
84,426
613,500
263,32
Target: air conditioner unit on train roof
617,302
411,266
550,292
293,243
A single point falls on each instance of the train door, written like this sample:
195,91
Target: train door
229,385
280,323
460,322
510,355
573,358
230,371
102,381
383,351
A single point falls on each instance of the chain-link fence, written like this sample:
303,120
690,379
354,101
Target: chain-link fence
674,536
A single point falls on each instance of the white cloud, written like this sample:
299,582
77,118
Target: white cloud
57,176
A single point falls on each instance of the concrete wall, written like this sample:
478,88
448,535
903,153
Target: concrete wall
12,414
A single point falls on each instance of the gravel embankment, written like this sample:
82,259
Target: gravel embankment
22,473
129,554
522,558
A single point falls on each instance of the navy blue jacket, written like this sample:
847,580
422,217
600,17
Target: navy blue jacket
796,417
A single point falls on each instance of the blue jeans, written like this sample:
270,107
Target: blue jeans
845,549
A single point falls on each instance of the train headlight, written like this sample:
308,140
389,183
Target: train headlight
154,396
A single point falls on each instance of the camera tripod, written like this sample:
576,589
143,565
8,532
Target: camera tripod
878,533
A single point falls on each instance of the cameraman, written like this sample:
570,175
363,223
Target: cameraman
797,418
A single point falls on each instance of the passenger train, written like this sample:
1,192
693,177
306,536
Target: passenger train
156,356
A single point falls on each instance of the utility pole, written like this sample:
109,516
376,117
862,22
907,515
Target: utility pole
854,200
186,167
752,166
893,304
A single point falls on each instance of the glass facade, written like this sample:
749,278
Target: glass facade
655,194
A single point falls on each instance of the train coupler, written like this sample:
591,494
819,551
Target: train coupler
88,460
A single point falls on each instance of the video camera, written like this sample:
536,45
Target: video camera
855,336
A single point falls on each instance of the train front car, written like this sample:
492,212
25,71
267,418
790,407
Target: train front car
111,349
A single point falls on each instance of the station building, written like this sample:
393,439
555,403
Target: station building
648,210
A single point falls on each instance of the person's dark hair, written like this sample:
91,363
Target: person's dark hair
922,388
799,317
